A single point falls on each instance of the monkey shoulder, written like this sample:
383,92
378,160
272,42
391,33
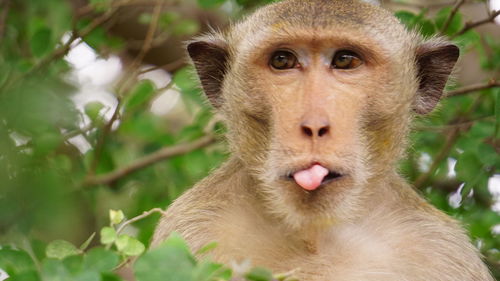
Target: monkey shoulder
195,214
425,242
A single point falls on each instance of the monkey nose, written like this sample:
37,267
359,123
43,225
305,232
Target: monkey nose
315,128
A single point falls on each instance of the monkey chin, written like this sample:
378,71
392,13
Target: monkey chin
338,196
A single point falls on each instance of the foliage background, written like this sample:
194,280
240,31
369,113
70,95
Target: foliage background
135,160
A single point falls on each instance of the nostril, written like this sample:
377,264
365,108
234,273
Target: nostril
307,131
323,131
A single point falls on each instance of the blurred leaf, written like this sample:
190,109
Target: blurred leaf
259,274
467,166
171,261
93,109
208,4
100,5
101,260
168,18
207,271
60,249
455,24
145,18
406,17
108,235
207,248
186,27
116,216
497,112
15,261
141,93
40,42
129,245
86,244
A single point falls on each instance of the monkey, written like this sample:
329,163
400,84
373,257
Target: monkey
318,98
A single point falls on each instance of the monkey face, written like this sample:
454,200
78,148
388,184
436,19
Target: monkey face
314,95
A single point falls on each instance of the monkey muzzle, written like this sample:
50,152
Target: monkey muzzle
313,177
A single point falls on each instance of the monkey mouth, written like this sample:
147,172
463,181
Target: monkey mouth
313,177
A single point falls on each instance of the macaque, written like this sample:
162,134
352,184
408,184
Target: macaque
318,97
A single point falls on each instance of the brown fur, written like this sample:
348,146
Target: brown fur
367,225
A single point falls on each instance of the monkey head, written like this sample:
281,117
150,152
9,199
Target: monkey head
318,97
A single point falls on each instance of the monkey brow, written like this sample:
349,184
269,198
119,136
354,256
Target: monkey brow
369,50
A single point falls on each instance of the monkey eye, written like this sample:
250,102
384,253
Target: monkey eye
283,60
346,60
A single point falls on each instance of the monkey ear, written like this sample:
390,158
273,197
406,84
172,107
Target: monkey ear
210,58
435,61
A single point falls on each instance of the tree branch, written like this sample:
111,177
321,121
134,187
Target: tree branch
473,88
153,158
124,84
138,218
64,48
451,138
454,10
470,25
102,138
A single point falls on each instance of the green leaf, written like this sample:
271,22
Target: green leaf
207,248
207,271
46,143
93,109
15,261
467,167
145,18
186,27
40,42
107,276
60,249
31,275
86,244
405,17
208,4
185,78
455,24
54,270
101,260
497,112
427,28
259,274
171,261
168,18
142,93
129,245
116,216
108,235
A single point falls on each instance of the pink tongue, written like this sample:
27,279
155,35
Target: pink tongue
311,178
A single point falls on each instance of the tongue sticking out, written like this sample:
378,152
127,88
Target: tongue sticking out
311,178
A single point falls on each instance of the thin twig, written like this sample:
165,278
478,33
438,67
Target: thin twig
473,88
123,85
470,25
451,138
169,67
454,10
138,218
102,138
150,159
5,5
132,70
459,125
